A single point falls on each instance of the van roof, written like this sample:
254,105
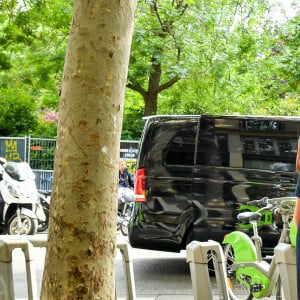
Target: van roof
238,117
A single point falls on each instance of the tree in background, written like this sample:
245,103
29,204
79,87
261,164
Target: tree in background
80,258
187,57
223,52
132,118
17,113
234,68
156,62
286,52
32,47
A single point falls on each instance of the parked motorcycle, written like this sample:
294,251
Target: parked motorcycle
20,208
125,209
44,199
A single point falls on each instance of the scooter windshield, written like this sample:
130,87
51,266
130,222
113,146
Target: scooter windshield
19,171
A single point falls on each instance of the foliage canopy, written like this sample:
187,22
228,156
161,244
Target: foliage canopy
216,57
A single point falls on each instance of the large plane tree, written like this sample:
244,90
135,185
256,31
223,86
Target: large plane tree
80,258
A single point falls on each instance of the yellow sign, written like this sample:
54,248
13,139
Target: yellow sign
11,151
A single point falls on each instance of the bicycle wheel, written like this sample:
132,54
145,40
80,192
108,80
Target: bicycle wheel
235,288
210,263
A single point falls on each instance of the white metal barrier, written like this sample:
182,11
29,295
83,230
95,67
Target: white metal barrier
128,266
285,258
10,242
7,244
197,257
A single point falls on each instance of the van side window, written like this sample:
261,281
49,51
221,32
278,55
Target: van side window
181,148
213,152
209,144
222,142
269,153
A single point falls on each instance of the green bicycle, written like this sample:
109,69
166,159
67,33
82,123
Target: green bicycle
249,276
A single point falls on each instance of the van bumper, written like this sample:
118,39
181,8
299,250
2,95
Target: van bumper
152,239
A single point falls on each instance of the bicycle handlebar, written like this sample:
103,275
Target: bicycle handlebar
260,203
280,201
285,205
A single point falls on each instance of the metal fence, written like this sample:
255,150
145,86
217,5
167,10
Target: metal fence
39,153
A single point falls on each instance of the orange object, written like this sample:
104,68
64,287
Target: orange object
36,148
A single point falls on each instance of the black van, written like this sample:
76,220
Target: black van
196,173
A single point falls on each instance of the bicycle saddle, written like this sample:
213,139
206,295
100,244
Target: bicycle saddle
247,216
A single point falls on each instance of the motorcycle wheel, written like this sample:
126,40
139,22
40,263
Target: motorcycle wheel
124,227
126,217
118,221
236,289
28,227
42,226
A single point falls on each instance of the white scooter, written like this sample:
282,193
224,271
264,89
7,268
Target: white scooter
20,208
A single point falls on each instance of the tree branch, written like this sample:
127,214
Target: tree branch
168,84
137,88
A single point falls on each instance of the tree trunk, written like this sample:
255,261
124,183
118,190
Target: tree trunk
150,104
82,234
154,87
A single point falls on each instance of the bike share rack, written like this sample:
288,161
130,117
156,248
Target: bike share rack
128,266
10,242
285,258
7,244
196,255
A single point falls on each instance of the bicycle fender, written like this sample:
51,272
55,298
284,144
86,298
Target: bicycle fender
293,233
244,250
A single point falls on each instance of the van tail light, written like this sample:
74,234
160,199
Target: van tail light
140,186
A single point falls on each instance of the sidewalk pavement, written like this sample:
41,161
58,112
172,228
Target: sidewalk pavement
165,297
181,297
170,297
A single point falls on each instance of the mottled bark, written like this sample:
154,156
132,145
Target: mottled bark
82,233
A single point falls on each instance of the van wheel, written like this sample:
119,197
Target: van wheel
28,225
